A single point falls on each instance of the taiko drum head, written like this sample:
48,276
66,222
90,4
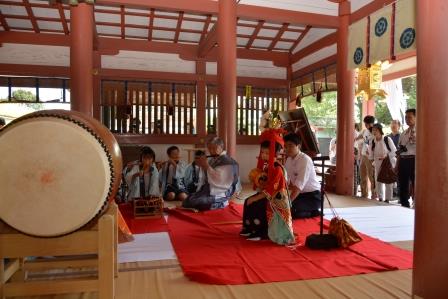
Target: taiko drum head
57,172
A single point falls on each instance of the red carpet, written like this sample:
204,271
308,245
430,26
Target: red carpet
211,251
142,226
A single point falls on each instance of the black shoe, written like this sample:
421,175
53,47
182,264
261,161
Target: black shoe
256,236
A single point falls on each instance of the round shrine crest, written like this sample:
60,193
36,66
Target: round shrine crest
358,56
380,26
407,38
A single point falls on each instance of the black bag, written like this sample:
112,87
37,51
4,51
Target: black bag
324,241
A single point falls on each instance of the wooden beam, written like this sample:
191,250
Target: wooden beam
178,27
244,11
63,19
311,68
30,13
197,6
369,9
209,42
296,43
34,70
111,46
34,39
278,36
254,34
314,47
275,15
3,22
151,23
205,28
122,22
400,74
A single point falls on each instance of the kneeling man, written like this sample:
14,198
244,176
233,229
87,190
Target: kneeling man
221,179
303,185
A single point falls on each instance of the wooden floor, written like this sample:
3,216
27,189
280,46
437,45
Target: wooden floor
165,279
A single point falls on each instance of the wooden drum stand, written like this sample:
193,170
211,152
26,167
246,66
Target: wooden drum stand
93,248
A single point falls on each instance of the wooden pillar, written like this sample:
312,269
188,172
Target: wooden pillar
227,74
201,101
368,108
431,207
292,90
81,58
96,85
345,115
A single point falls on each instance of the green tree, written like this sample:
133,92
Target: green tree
382,113
410,90
322,114
21,95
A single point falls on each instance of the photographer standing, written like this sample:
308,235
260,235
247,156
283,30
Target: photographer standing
406,154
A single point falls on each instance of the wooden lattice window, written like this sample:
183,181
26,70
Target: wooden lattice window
249,111
149,107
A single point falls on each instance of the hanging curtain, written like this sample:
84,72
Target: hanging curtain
357,44
405,38
396,103
380,35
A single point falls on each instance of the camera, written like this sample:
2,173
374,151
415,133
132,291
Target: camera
401,149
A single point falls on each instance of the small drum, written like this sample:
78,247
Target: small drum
58,171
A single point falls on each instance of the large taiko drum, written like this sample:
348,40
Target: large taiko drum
58,171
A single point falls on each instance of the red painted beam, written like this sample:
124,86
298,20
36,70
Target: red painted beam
34,70
122,22
316,46
151,23
145,46
254,34
205,28
297,42
311,68
3,21
243,11
63,19
209,42
369,9
34,39
253,12
400,74
278,36
197,6
111,46
178,27
30,13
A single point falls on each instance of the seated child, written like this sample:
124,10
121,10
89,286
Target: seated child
171,176
142,178
194,175
267,213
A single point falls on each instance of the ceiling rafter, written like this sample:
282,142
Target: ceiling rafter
314,47
278,36
205,28
3,22
254,34
178,27
122,22
151,23
209,42
297,42
30,13
63,19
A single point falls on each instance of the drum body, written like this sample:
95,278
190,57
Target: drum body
58,171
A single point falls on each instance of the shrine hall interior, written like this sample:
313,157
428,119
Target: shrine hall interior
178,72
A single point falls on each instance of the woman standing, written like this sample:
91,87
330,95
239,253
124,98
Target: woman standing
381,148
